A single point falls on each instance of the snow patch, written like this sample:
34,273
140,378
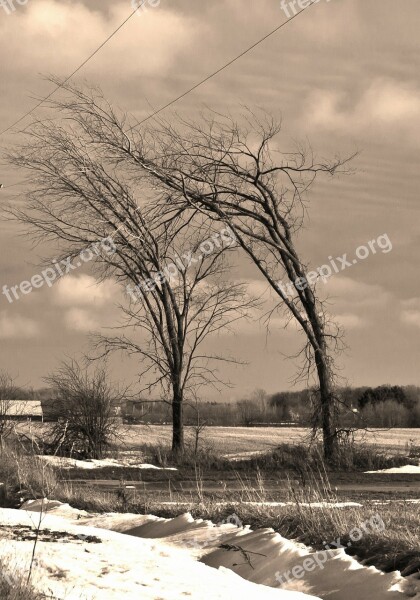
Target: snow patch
407,470
72,463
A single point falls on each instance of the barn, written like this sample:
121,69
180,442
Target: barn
23,410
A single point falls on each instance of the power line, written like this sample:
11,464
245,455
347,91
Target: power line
6,187
194,87
30,112
225,66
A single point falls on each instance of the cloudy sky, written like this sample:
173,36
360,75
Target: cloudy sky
344,75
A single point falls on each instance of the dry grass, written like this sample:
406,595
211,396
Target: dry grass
395,548
14,587
297,458
25,475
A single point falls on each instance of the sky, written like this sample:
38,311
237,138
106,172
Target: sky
344,76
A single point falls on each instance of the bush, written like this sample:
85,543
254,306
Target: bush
301,459
87,407
161,455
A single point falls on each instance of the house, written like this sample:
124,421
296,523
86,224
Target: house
135,410
50,409
145,410
22,410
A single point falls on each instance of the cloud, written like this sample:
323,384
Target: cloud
410,313
84,290
146,46
350,321
16,326
345,296
385,105
79,319
348,292
260,288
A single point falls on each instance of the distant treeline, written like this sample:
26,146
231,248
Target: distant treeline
383,406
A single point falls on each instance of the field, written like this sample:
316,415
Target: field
240,441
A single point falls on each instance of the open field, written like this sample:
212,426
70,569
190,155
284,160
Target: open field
236,442
246,440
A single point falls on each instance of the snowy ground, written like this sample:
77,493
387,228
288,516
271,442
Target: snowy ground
407,470
72,463
114,556
119,566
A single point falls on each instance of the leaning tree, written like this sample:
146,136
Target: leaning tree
231,174
86,189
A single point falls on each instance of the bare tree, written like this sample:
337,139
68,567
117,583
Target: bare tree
9,392
198,427
228,173
87,406
86,189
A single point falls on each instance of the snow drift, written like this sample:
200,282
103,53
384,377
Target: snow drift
150,557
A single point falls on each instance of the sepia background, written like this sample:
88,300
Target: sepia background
345,76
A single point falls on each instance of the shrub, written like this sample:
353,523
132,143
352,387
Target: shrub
87,406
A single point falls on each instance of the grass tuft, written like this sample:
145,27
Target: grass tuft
14,587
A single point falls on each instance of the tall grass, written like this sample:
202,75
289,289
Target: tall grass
14,587
205,456
25,475
297,458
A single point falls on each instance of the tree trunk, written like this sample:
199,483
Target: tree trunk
327,406
177,423
325,378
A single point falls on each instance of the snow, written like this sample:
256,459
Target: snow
119,566
144,556
407,470
341,578
72,463
58,508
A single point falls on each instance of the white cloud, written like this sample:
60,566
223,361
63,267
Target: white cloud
345,295
84,290
410,313
259,288
79,319
145,46
16,326
385,104
347,292
350,321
